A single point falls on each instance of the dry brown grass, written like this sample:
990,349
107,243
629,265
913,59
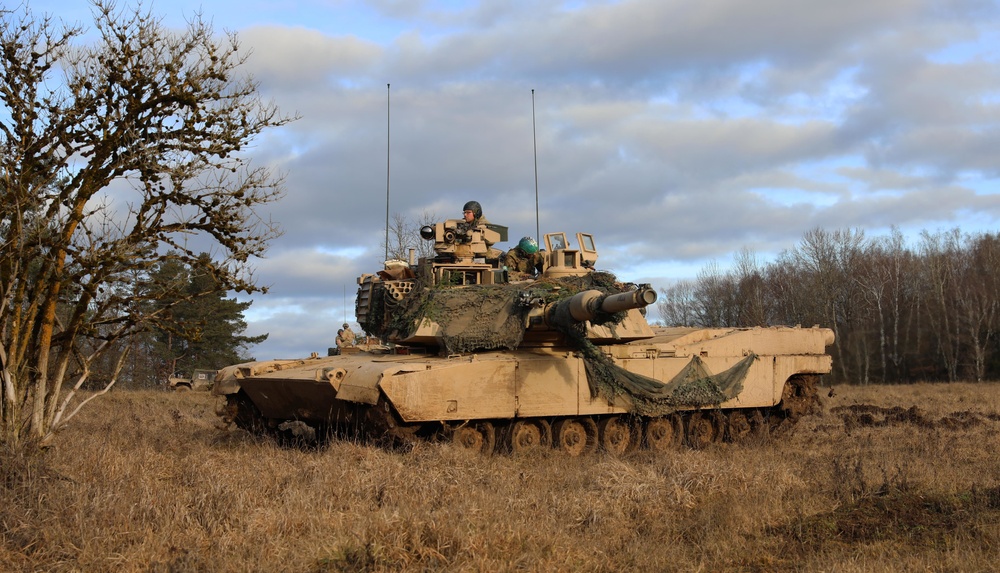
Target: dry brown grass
144,481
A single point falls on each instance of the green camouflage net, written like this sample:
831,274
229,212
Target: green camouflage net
691,387
484,317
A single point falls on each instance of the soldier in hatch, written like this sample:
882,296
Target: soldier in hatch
524,261
345,337
472,213
472,216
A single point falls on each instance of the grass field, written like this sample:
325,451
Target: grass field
900,478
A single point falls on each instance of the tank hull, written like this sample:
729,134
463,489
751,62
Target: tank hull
402,397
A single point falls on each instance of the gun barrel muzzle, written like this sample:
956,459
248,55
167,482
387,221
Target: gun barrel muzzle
585,305
632,299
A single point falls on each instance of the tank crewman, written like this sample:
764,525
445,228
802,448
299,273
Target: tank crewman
472,212
472,215
345,337
524,260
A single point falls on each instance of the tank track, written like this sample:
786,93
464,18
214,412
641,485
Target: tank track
620,434
615,434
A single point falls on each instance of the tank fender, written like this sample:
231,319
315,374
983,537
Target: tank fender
227,381
359,394
464,389
361,383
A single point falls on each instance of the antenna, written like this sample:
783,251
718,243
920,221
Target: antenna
386,172
538,234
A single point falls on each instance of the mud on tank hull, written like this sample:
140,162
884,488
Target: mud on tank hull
713,385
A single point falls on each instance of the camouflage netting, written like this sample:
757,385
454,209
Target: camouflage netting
480,317
691,387
491,317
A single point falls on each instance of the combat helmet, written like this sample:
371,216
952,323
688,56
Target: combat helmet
527,245
475,207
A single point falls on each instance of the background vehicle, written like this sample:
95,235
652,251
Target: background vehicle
199,380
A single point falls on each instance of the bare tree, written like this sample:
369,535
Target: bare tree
977,299
677,305
404,235
114,157
715,296
752,306
826,262
942,258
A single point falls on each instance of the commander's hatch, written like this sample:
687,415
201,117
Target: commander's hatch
562,261
588,252
555,241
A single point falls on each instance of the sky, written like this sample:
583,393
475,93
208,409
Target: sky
677,132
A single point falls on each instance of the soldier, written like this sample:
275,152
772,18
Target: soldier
345,336
472,216
472,212
524,260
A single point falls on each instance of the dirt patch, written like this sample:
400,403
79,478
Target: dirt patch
903,516
868,415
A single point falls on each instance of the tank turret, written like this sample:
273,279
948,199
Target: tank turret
464,298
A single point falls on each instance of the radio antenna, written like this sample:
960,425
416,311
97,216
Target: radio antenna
386,173
538,235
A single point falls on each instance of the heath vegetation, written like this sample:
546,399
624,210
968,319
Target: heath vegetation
886,478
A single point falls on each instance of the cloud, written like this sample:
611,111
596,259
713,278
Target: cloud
300,57
677,132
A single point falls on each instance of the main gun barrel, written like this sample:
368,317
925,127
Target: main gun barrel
586,305
639,298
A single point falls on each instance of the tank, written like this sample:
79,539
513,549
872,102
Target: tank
556,355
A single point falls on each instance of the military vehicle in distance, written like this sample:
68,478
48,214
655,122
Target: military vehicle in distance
563,358
200,380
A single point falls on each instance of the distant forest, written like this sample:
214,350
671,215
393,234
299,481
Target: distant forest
900,313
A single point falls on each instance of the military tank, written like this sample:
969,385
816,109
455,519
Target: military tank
560,356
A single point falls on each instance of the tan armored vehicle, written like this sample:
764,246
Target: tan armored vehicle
564,359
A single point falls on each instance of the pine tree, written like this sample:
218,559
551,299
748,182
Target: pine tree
204,331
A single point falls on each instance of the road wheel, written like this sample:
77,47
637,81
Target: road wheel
739,427
241,410
617,435
759,427
475,436
575,436
664,434
701,431
527,435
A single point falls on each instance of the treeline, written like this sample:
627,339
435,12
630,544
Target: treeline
901,313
